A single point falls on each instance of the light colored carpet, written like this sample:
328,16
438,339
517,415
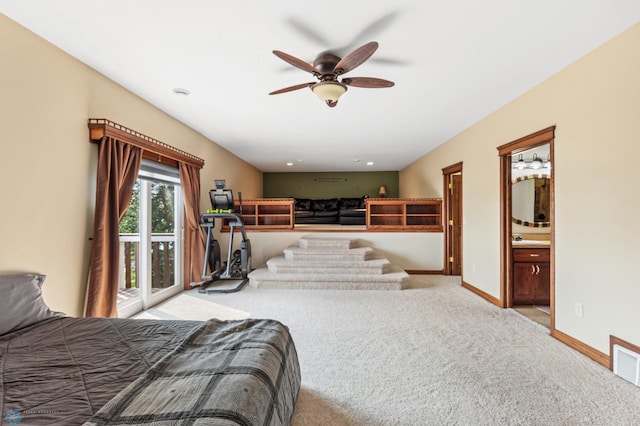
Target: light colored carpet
433,354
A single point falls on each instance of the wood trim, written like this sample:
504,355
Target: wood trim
581,347
552,236
423,272
524,143
482,294
505,231
541,137
613,340
152,149
454,168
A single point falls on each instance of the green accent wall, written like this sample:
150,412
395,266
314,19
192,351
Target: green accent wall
329,184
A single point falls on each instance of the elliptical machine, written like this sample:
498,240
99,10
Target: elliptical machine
238,263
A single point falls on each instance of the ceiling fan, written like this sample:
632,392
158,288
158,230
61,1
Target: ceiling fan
327,67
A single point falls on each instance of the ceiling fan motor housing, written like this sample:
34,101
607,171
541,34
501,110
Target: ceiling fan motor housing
326,62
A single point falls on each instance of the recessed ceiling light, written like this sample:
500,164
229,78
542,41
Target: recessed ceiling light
369,163
289,164
355,160
181,91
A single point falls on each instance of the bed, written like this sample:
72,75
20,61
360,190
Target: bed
105,371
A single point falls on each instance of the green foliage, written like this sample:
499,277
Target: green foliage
162,211
162,196
162,222
131,220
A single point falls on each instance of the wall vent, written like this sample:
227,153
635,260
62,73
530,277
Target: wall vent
626,361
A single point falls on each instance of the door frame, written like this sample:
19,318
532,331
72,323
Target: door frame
506,151
450,205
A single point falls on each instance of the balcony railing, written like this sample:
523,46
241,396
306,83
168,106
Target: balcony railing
162,260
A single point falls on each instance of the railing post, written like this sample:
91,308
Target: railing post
166,275
127,264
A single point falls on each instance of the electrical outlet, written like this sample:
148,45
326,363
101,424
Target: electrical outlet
579,309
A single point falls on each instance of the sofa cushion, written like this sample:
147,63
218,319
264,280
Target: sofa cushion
326,213
302,204
352,203
353,220
303,213
330,204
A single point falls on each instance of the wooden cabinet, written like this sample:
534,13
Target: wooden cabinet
531,276
404,214
265,214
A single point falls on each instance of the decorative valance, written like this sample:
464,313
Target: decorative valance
151,148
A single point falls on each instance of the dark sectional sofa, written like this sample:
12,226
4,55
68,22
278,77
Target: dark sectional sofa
345,211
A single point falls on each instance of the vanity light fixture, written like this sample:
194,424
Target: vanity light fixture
547,164
520,165
535,163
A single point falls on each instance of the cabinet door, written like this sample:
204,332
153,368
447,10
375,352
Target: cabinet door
524,283
543,283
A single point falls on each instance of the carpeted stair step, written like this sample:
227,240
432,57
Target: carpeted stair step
396,279
280,264
327,243
295,253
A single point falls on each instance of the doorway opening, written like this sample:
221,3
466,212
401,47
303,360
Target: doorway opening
527,238
452,178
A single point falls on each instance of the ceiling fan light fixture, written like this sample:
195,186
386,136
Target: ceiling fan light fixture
329,91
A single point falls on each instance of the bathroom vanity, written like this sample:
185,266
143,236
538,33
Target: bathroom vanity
531,273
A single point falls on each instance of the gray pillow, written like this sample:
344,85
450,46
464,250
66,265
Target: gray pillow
21,302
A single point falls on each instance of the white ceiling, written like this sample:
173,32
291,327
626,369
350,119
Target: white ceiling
453,63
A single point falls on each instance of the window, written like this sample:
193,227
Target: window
151,240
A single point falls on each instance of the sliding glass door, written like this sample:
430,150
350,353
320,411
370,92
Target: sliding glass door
150,242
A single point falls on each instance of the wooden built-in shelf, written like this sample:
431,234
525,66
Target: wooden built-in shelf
404,214
383,214
265,214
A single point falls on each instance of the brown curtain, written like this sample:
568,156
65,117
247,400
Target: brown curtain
194,239
118,166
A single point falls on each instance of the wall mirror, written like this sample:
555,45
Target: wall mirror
531,189
531,200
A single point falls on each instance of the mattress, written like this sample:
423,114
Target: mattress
99,371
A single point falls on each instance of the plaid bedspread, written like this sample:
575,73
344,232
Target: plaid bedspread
225,373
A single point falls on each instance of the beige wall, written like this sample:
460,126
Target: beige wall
595,104
47,165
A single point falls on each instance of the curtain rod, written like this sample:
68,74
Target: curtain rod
101,127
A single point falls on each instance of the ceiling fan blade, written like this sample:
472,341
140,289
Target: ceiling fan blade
292,88
308,32
374,29
298,63
355,58
368,82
